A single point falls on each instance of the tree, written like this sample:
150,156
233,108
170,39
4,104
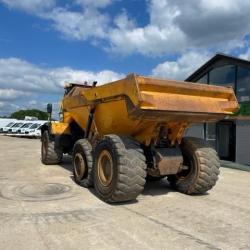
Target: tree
20,115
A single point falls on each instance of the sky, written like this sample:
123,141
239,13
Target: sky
44,44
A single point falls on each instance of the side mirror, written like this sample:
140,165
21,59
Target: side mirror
49,108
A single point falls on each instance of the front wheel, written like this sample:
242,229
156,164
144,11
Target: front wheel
119,169
201,167
50,154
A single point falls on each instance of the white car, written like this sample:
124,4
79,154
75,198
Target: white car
7,127
25,127
34,130
15,127
5,122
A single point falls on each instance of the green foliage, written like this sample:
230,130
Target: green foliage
20,115
244,109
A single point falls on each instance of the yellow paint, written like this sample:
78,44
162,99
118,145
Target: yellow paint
60,128
139,106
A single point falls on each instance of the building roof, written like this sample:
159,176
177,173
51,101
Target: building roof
218,57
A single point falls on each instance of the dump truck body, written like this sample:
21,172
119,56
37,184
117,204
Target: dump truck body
139,106
153,113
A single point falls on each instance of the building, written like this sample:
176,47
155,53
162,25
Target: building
231,136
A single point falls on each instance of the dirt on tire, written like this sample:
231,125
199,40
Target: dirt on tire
204,167
84,147
129,170
50,154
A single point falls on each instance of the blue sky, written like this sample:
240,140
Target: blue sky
44,44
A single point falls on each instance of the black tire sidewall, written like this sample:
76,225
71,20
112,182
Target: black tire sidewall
184,184
103,191
45,137
50,155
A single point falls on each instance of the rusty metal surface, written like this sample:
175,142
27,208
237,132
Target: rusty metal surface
168,161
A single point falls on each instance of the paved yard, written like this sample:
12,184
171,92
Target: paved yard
42,208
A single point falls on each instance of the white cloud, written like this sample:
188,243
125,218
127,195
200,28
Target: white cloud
66,74
21,75
161,35
176,26
2,104
94,3
32,102
6,108
30,5
11,94
122,21
24,76
180,69
173,27
245,55
79,25
21,81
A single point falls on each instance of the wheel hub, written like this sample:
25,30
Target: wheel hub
105,168
79,165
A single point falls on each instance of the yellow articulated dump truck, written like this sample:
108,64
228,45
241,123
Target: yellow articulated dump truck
125,131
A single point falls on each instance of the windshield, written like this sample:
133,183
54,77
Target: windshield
17,125
27,125
10,124
35,126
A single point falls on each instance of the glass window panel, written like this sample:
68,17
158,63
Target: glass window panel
203,79
35,126
10,124
26,125
17,125
224,76
210,131
243,85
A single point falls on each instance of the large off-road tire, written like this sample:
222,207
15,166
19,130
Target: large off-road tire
50,154
119,169
203,167
82,163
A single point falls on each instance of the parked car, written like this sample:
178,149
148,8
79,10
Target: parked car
15,127
5,121
7,127
35,130
25,127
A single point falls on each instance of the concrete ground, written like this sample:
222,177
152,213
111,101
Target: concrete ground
42,208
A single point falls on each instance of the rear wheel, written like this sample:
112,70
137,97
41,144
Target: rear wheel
119,169
50,154
202,167
82,163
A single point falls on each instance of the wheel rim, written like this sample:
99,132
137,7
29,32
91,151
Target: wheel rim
105,168
79,165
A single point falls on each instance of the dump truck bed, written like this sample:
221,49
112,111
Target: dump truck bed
132,105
